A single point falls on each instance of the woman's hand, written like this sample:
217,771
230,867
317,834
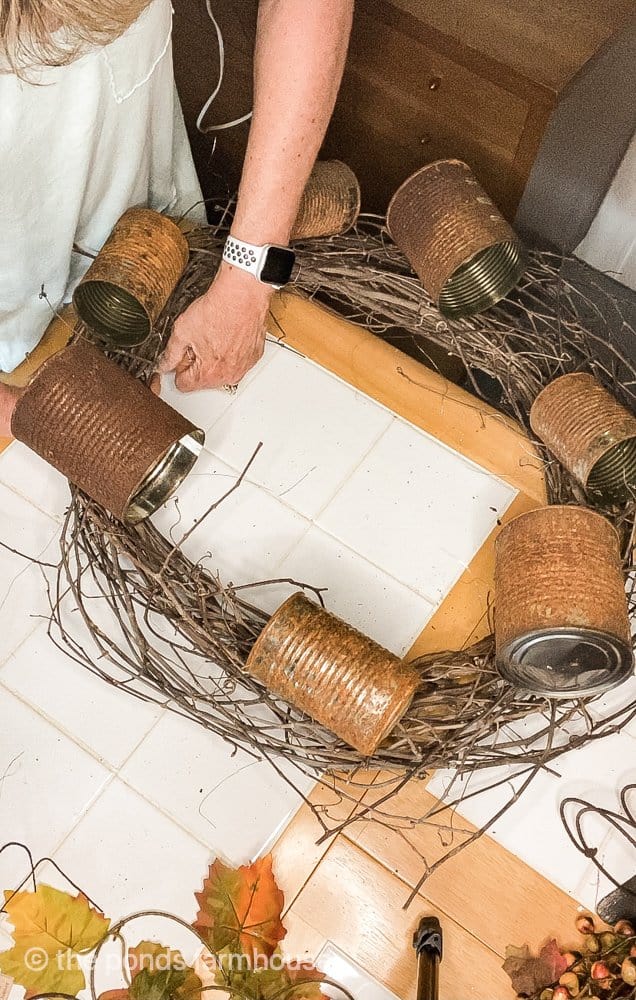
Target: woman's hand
220,336
8,399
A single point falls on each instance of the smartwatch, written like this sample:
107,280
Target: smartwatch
271,264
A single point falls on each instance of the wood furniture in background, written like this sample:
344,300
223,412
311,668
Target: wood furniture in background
424,80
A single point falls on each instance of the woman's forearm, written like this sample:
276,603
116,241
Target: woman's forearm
301,48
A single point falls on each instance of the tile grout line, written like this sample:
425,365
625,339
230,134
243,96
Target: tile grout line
311,523
325,531
404,421
171,819
114,774
355,468
30,562
57,519
40,712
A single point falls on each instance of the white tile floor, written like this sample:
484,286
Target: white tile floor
343,495
532,828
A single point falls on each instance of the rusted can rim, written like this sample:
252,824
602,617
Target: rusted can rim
612,478
566,663
112,312
165,477
483,280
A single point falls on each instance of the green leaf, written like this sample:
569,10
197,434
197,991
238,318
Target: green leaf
299,982
157,985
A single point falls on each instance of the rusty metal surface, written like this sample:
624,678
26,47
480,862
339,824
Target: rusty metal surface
333,673
331,201
128,284
100,427
558,570
590,433
456,240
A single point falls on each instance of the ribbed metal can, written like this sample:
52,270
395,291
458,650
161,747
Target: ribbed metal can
331,201
106,431
590,433
130,281
333,673
561,619
455,238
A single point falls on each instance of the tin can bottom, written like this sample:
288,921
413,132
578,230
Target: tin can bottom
483,280
566,662
165,477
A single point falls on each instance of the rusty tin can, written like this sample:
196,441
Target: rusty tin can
561,620
331,201
106,432
590,433
333,673
130,281
455,239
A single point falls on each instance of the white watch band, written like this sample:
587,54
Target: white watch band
248,257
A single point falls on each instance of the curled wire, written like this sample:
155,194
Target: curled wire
623,823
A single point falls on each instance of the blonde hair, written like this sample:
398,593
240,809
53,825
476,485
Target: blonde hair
55,32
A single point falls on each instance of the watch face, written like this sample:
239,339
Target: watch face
278,266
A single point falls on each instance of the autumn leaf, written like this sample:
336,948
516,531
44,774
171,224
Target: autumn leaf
160,974
300,982
51,928
157,973
306,979
240,910
530,973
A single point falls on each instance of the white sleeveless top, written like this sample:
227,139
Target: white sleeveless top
91,140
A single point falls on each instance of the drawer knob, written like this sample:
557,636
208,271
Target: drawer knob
434,83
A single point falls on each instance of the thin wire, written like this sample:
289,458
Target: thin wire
622,823
32,873
213,96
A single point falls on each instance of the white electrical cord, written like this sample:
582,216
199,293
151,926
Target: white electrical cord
208,104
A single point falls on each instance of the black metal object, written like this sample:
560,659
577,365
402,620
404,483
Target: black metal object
619,904
427,942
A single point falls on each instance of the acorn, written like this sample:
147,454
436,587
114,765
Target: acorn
584,923
600,970
609,940
628,971
561,993
592,943
571,982
624,928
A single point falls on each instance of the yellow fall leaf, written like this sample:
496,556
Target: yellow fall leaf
51,929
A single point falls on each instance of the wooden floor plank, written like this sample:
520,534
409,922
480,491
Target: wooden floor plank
521,904
356,903
297,851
